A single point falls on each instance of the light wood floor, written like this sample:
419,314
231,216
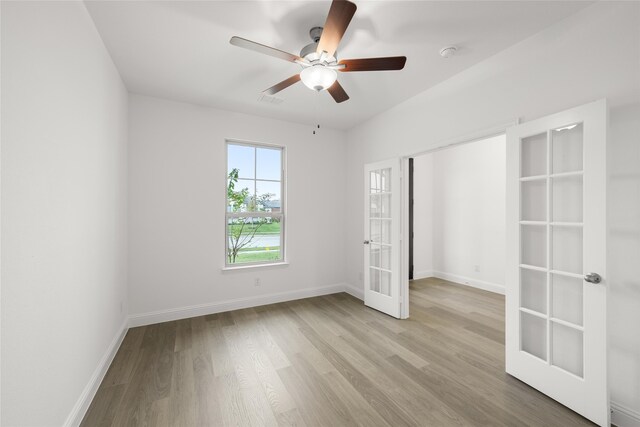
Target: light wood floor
326,361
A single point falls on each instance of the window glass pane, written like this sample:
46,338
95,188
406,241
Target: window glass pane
567,249
533,241
385,205
533,200
385,257
374,181
567,298
385,283
533,335
374,206
567,349
533,156
241,157
385,180
239,195
374,279
567,199
374,255
253,240
374,230
533,290
268,196
567,148
385,231
268,164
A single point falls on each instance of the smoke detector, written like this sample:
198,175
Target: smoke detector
448,51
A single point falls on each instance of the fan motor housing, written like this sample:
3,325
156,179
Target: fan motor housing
309,52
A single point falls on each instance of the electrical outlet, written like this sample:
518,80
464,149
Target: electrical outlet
256,282
360,277
476,268
121,306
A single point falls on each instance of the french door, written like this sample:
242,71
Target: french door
382,237
556,294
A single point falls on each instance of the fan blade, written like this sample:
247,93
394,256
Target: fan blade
260,48
338,93
340,15
373,64
283,85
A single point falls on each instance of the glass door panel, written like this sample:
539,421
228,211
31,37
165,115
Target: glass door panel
551,246
533,159
533,290
534,245
534,200
534,335
567,148
567,351
567,249
567,198
380,238
567,298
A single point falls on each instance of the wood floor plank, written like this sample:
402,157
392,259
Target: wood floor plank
377,398
105,404
182,400
159,416
207,406
259,409
274,390
220,358
233,407
125,359
183,335
289,338
326,361
290,418
323,391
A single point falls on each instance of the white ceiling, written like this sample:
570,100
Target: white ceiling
181,51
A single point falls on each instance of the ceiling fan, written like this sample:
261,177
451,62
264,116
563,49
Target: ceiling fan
319,60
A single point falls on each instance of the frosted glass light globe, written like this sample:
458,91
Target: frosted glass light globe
318,77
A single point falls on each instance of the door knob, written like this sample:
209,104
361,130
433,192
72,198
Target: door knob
593,278
366,242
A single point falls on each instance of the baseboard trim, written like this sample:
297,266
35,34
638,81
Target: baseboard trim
422,274
354,291
82,404
621,416
233,304
467,281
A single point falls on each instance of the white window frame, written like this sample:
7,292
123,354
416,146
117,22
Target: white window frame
280,215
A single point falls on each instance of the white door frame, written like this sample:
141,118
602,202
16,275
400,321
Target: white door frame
404,193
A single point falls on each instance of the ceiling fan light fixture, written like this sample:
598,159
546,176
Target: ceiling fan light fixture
318,77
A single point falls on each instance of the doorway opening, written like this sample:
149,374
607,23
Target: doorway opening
457,208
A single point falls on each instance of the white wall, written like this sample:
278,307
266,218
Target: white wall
590,55
177,170
423,216
466,186
623,254
64,132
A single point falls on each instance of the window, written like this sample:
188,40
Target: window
255,204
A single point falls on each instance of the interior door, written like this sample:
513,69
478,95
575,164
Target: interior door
382,236
556,295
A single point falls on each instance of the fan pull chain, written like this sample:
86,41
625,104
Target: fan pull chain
315,102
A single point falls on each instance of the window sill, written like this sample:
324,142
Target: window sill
254,266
